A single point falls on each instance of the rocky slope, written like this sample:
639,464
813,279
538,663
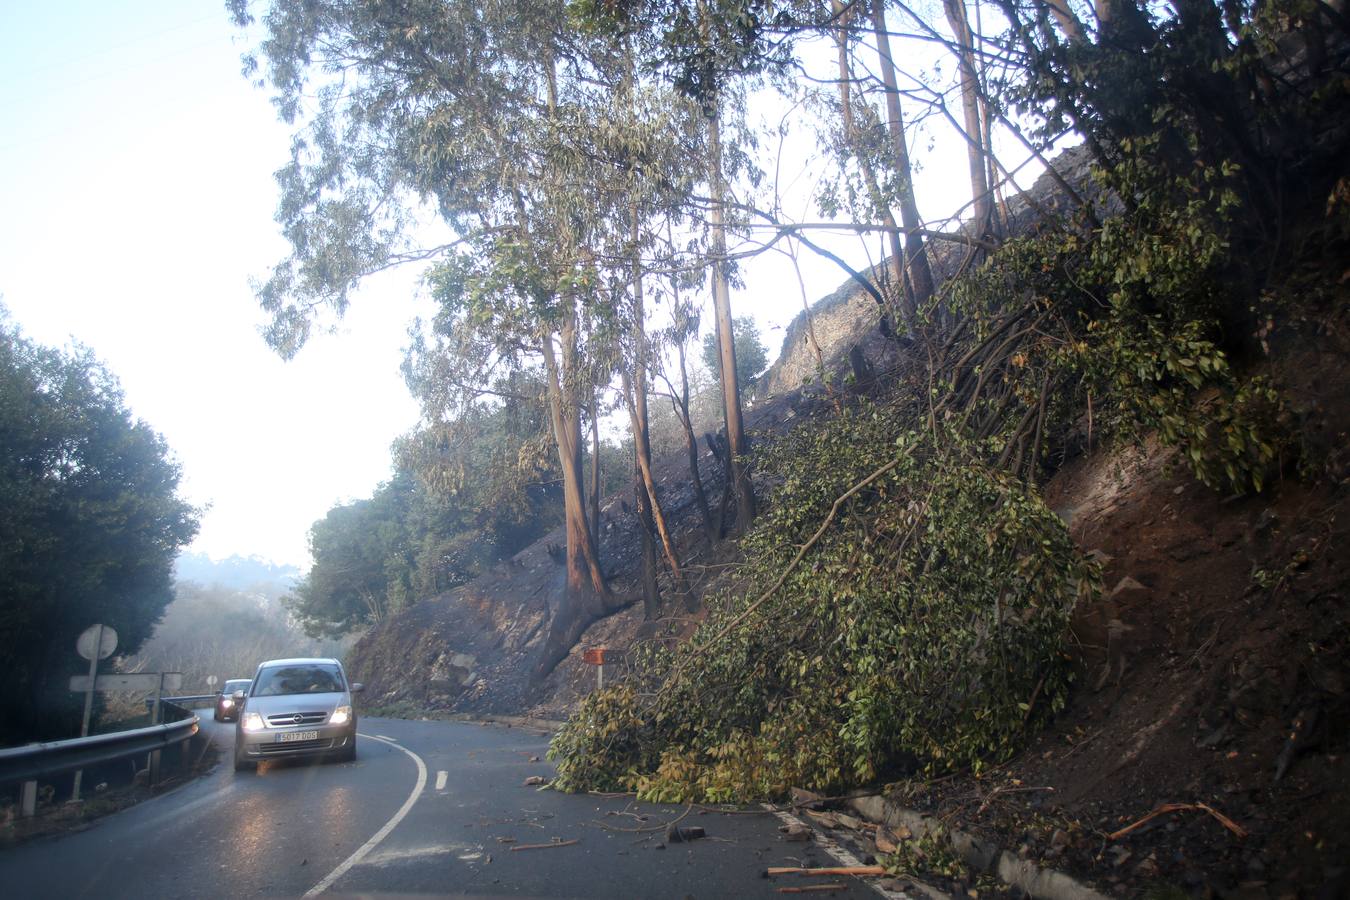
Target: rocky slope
1212,675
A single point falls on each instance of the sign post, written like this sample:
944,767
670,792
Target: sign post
95,643
596,657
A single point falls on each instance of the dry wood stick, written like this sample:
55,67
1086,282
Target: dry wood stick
544,846
1180,807
835,870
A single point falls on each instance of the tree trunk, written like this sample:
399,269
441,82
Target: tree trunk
842,15
976,149
731,392
651,591
916,258
681,406
586,597
635,393
595,472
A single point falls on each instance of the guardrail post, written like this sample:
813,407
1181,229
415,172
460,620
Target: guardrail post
153,766
28,799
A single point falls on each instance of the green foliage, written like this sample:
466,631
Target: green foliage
90,526
751,357
922,628
903,602
464,498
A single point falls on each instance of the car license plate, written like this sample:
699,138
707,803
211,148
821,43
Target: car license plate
289,736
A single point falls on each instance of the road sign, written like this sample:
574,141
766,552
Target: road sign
137,681
103,637
211,680
594,655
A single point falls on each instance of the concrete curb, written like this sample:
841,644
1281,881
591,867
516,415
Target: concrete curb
981,856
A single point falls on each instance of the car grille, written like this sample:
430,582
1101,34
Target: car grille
306,718
293,746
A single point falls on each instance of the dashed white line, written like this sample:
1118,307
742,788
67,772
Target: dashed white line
388,826
441,776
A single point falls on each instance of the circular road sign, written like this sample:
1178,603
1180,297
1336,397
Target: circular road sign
211,680
85,644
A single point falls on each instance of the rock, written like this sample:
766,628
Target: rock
850,822
1060,839
795,832
1128,590
682,834
801,797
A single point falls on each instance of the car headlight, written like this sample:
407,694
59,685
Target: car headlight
341,716
252,722
227,703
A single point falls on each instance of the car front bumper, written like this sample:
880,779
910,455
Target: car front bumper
267,744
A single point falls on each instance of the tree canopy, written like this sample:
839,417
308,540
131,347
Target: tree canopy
751,357
92,522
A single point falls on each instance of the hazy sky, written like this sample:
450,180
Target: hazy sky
136,202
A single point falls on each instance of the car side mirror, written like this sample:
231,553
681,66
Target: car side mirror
357,687
238,696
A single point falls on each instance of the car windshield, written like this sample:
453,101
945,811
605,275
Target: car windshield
232,686
308,678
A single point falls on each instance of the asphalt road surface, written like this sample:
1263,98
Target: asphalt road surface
427,809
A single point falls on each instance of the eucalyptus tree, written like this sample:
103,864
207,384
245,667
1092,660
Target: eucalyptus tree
702,47
482,113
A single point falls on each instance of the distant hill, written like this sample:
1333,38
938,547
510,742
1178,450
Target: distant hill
238,572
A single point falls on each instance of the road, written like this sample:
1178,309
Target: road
427,809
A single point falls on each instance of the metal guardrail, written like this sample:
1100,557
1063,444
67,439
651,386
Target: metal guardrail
34,761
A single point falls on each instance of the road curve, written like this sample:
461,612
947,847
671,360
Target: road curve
427,809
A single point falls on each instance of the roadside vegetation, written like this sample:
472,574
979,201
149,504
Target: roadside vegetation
901,592
91,523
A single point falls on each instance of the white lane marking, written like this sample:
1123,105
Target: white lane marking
830,846
441,776
383,737
388,826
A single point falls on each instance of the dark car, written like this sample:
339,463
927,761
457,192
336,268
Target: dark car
226,706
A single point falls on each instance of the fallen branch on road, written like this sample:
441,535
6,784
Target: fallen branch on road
544,846
836,870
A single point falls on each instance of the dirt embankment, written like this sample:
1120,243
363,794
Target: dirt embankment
1212,674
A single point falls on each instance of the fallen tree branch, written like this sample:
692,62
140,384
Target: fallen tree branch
1180,807
814,888
835,870
545,846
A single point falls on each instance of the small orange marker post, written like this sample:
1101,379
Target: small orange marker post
596,657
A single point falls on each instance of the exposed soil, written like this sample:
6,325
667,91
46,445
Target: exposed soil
1211,674
1212,671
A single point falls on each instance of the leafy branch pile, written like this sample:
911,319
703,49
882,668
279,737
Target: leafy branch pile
904,603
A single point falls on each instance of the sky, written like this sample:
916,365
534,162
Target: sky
136,203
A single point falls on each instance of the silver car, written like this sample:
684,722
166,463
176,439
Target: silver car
295,707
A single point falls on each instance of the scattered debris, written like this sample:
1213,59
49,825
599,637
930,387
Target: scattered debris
801,797
506,840
828,819
886,841
553,843
1179,807
833,870
795,832
535,779
682,834
1303,725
